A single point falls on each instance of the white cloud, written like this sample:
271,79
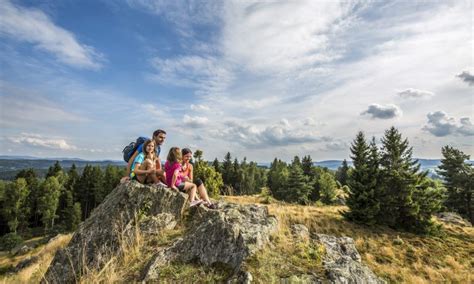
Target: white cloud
194,121
199,107
35,27
412,93
43,142
440,124
382,111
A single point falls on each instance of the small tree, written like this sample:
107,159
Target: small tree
14,209
342,173
211,178
298,187
48,201
327,186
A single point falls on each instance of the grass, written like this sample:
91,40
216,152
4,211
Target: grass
34,272
397,257
394,256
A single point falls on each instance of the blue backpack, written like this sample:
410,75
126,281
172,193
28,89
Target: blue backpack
132,147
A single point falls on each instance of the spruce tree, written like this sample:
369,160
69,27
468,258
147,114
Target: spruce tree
327,188
216,165
278,179
307,165
54,170
362,200
458,178
298,189
402,188
342,173
33,185
227,169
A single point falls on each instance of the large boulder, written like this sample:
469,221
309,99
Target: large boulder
100,237
218,237
342,261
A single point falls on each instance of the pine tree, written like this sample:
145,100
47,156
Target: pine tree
278,179
237,176
54,170
227,169
111,179
298,189
363,201
84,189
216,165
307,165
458,178
342,173
14,200
33,185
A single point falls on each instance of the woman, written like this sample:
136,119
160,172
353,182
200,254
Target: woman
187,173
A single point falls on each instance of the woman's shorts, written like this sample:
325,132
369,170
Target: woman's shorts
198,182
181,187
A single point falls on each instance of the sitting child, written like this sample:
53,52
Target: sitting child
143,168
176,180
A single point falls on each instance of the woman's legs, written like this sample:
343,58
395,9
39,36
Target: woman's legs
147,178
203,193
190,188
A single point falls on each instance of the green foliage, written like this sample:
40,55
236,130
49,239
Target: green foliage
54,170
211,178
307,165
14,200
327,188
48,201
10,240
458,178
297,188
278,179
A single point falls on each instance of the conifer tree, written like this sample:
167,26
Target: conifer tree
216,165
278,179
54,170
402,188
362,201
342,173
298,189
236,177
307,165
458,178
33,186
227,169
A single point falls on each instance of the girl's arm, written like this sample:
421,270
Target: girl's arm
174,178
191,172
137,170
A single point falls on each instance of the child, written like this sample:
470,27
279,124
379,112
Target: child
187,169
144,165
175,180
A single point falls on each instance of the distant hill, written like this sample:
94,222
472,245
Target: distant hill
10,167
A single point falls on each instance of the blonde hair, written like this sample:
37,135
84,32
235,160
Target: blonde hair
151,155
174,155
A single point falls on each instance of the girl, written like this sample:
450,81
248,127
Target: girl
144,166
175,180
187,172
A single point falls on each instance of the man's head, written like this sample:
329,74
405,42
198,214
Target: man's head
159,136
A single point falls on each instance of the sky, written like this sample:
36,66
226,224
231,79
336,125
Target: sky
258,79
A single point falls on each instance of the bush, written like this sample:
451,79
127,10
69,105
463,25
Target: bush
10,240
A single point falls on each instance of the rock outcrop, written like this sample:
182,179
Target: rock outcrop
225,237
112,223
343,262
453,218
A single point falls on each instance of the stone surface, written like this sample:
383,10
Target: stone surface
453,218
99,238
226,236
343,262
300,232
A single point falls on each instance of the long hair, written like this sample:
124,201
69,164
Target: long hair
174,155
151,155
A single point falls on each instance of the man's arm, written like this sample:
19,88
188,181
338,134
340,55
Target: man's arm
129,165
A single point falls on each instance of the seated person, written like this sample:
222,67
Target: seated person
143,168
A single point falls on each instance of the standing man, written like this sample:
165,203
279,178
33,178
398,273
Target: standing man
159,137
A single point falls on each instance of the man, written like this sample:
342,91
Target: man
159,136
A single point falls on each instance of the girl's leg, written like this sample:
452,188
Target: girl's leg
190,188
203,193
150,178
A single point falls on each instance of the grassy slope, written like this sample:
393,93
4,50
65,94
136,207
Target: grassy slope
395,256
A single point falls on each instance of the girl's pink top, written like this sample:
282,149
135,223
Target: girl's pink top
170,169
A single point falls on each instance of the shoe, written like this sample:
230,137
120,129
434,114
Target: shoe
211,205
195,203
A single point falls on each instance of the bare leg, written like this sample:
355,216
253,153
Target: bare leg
190,188
203,193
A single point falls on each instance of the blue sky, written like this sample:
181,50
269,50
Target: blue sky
261,79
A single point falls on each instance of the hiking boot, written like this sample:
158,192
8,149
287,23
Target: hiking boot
195,203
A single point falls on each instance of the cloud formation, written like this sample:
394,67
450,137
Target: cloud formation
42,142
382,112
440,124
411,93
467,77
35,27
195,121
